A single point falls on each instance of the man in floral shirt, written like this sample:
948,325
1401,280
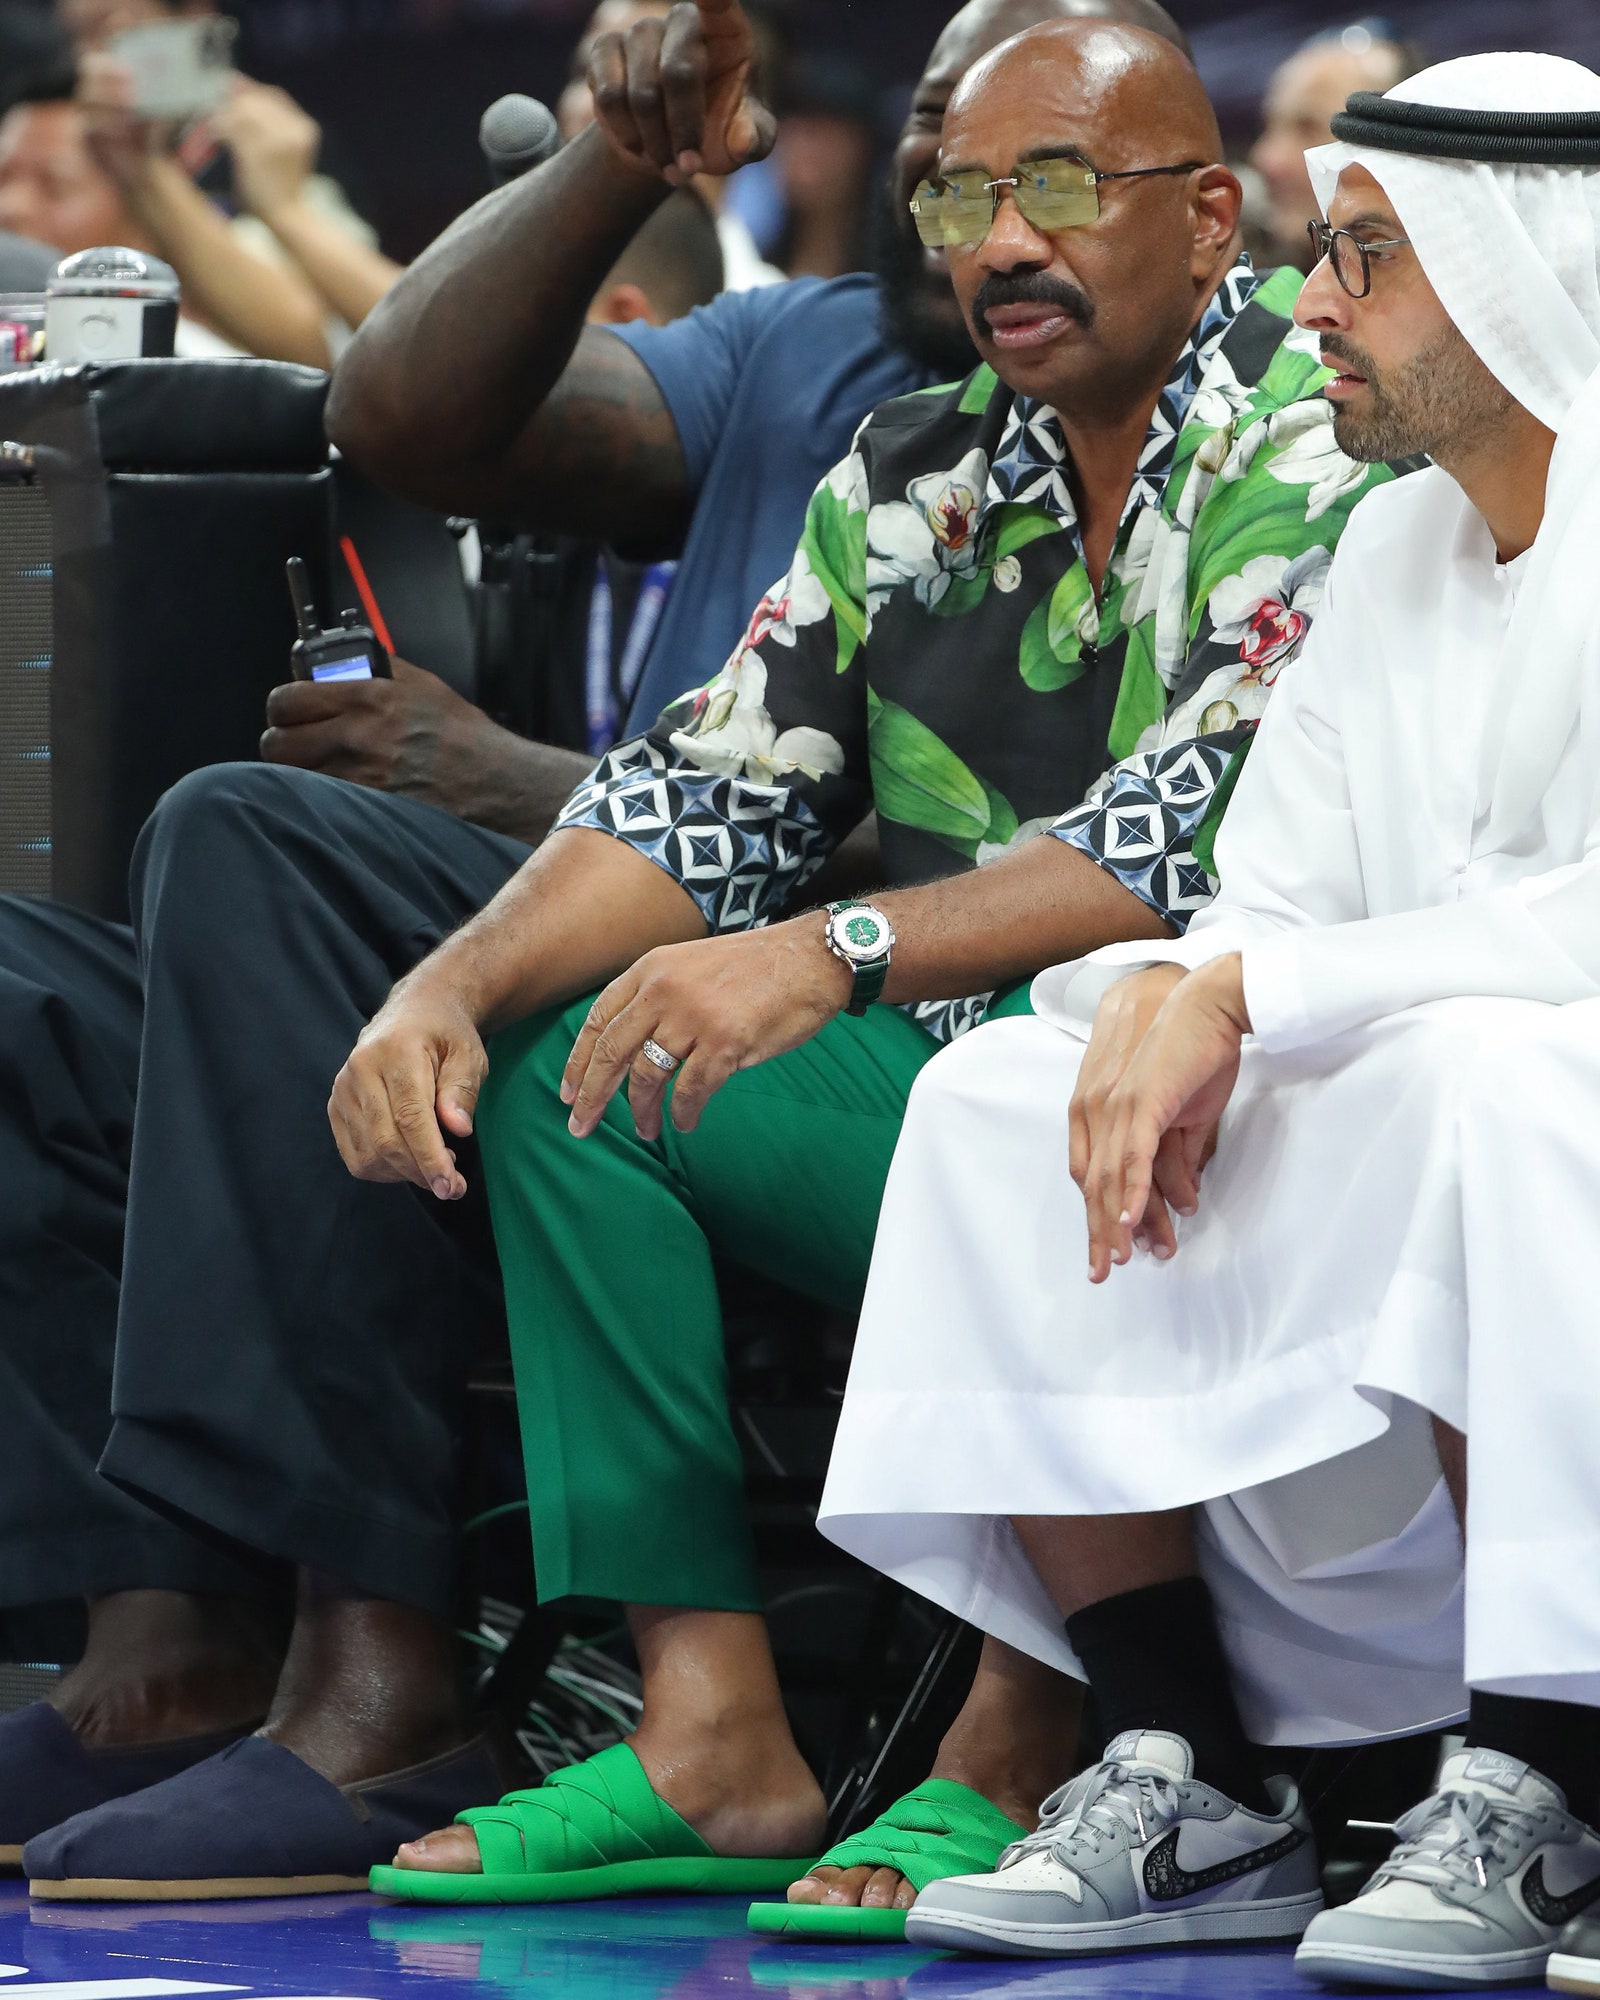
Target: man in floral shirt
1048,601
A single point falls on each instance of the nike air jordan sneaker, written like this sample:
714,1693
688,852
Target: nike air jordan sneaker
1134,1852
1486,1874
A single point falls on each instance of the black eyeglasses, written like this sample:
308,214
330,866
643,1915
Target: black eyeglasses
1349,256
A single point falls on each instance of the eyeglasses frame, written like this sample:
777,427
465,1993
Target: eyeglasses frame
1323,239
1095,177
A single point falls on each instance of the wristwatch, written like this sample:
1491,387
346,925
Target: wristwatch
863,937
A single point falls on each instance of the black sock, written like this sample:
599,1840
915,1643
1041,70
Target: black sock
1154,1661
1559,1739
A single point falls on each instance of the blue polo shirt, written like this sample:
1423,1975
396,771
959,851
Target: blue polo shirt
766,388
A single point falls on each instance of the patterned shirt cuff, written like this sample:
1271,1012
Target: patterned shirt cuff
739,849
1140,823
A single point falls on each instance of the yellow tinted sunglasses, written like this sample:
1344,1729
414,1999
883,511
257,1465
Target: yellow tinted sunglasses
1052,194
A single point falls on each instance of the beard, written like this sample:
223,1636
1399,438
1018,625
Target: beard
1443,400
920,314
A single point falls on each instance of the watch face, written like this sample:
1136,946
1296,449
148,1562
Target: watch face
861,934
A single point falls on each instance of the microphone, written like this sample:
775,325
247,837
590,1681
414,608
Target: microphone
517,134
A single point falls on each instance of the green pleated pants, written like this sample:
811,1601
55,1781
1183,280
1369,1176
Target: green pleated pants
635,1478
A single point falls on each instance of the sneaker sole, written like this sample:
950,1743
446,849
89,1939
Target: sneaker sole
1573,1975
1427,1971
1280,1918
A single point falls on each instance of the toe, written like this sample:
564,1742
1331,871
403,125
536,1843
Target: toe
846,1887
882,1886
451,1851
813,1887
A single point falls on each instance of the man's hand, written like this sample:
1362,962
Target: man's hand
1141,1138
412,1079
274,145
718,1005
413,735
124,145
675,94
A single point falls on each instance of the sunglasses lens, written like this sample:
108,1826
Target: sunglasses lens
1058,194
952,212
927,211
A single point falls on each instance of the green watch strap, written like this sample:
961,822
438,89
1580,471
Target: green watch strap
869,984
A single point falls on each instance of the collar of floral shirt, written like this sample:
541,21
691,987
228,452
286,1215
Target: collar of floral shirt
1030,466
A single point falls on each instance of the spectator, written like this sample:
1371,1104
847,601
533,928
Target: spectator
1303,96
53,190
184,186
744,267
262,307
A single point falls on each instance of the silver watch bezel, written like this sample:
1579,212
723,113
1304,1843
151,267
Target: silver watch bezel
854,954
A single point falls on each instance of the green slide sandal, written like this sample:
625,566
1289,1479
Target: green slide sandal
591,1830
939,1829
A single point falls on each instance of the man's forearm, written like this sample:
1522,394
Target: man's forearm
348,274
263,308
1040,906
578,912
449,370
518,787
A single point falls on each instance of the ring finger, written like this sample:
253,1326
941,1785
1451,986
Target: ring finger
649,1080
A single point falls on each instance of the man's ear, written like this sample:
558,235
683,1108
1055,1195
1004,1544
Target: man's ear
620,305
1216,202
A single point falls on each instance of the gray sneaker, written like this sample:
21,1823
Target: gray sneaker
1486,1874
1134,1853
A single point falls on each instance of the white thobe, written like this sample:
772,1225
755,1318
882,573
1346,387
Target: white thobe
1397,1220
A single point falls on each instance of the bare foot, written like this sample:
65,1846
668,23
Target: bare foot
368,1687
714,1743
1013,1743
160,1665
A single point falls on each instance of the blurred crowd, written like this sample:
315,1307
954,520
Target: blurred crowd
275,261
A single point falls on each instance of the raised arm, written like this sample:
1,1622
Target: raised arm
475,386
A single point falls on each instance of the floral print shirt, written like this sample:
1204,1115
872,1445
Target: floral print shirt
937,652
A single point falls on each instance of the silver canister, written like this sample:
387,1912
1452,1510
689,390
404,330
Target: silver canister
111,304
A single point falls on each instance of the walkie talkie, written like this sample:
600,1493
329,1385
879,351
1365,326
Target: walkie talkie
348,651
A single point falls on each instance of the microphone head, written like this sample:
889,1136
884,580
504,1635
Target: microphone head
517,133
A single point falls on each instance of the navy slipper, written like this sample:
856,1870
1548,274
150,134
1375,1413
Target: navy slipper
47,1775
254,1821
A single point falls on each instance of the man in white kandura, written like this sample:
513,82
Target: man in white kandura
1231,1469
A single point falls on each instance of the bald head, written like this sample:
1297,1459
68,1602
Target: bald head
1125,88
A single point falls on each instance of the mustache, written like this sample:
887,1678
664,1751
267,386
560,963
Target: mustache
1030,288
1340,349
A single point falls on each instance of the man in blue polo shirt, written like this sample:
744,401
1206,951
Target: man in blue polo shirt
291,1346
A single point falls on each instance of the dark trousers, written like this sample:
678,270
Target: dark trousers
194,1294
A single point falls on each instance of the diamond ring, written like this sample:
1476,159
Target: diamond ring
655,1053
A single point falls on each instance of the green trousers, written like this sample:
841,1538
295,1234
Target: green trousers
635,1477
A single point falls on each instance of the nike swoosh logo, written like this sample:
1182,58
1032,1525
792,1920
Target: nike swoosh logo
1555,1910
1165,1881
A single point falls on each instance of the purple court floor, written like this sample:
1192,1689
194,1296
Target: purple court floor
356,1948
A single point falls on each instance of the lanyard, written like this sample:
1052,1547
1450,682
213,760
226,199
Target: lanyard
602,710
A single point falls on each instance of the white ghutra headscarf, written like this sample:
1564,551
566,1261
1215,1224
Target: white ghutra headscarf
1513,252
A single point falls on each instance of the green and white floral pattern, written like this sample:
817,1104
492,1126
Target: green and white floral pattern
939,652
